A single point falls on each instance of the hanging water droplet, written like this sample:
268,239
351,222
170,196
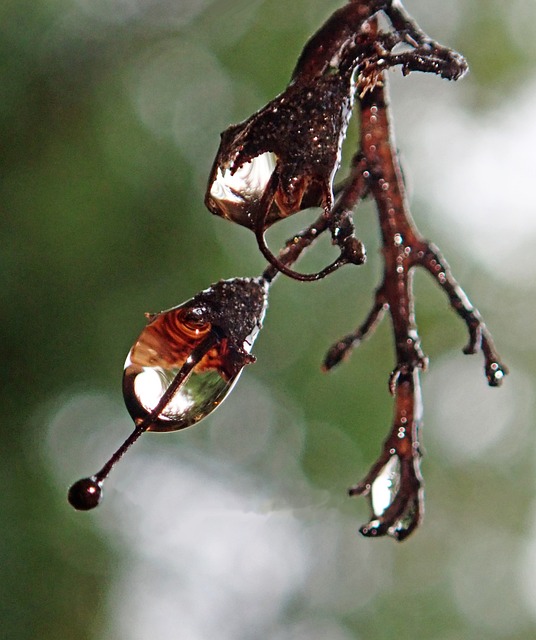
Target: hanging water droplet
157,358
219,317
235,195
385,486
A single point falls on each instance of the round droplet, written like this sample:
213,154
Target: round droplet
85,494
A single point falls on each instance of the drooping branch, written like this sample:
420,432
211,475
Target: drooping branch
284,157
351,45
403,249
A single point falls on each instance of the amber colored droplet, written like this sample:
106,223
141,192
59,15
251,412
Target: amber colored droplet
166,345
85,494
157,357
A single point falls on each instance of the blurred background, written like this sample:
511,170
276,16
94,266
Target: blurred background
240,529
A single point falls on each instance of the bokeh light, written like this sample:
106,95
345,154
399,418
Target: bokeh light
239,528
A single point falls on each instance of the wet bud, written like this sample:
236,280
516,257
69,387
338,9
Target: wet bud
296,141
292,146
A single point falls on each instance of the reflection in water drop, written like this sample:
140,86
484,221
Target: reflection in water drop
198,396
385,486
171,339
236,193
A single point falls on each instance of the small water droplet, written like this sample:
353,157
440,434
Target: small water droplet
385,486
405,525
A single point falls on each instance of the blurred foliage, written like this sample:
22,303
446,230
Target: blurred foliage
110,114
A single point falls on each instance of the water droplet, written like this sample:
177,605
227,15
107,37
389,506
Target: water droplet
85,494
385,486
406,524
235,194
167,344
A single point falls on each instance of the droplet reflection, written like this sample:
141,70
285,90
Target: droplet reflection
385,486
167,345
235,193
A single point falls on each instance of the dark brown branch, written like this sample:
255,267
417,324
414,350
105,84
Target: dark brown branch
281,160
403,250
394,483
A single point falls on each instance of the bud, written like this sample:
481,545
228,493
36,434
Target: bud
289,151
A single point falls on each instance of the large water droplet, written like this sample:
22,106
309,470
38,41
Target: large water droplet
385,486
183,365
167,344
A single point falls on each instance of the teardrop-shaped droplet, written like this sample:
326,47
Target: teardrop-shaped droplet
385,486
218,317
235,195
158,356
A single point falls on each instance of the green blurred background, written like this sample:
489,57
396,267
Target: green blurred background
240,529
